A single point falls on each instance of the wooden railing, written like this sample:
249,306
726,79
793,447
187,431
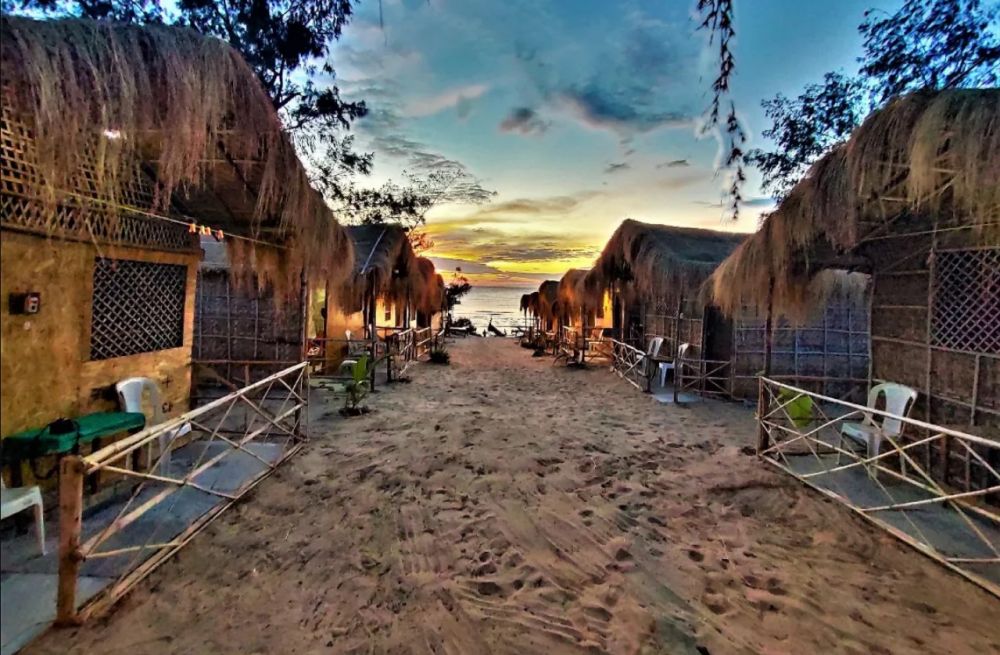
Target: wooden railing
706,377
631,364
401,352
424,339
203,460
802,433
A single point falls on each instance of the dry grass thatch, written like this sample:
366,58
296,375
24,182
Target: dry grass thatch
548,300
573,294
929,152
426,287
654,260
386,267
111,98
531,304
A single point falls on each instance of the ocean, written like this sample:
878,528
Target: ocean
502,304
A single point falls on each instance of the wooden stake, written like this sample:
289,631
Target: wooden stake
762,434
70,528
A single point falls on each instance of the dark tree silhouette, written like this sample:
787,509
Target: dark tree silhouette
926,44
717,19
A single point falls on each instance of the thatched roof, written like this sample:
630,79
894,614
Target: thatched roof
572,291
386,266
651,260
548,300
936,153
531,304
426,287
108,103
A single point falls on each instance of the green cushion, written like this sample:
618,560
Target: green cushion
798,407
38,442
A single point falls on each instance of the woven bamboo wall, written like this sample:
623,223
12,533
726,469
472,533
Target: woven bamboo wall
662,319
239,333
828,353
936,328
936,323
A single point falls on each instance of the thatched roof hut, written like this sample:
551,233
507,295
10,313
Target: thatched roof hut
164,123
913,199
531,304
653,260
572,293
385,267
426,287
933,154
548,301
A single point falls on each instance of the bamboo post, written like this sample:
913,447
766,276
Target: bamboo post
676,345
762,436
70,528
229,329
929,328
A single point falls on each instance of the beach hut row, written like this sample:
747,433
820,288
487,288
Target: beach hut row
647,290
157,222
882,265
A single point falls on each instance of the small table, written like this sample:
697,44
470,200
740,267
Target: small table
33,443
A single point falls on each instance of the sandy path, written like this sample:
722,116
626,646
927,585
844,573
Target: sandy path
504,505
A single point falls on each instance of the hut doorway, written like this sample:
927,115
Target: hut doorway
718,335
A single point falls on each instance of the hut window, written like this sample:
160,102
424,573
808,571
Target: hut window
137,307
967,300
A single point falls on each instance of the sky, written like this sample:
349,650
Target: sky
578,114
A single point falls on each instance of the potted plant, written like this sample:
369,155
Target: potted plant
357,388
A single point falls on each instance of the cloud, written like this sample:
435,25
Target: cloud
455,97
523,120
504,243
445,264
617,167
534,207
676,163
682,181
761,201
643,76
617,110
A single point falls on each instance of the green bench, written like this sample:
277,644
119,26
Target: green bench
35,443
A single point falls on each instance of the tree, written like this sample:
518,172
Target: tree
408,205
717,19
926,44
287,43
805,127
455,289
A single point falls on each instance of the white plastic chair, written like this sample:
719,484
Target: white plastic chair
130,392
898,401
667,366
18,499
347,365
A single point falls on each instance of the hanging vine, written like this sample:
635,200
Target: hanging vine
717,19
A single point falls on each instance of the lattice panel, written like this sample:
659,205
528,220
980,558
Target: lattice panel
966,312
77,212
138,307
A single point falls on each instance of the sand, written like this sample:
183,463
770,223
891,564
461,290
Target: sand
506,505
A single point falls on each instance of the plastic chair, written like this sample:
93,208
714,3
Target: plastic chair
130,392
18,499
347,365
898,401
667,366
